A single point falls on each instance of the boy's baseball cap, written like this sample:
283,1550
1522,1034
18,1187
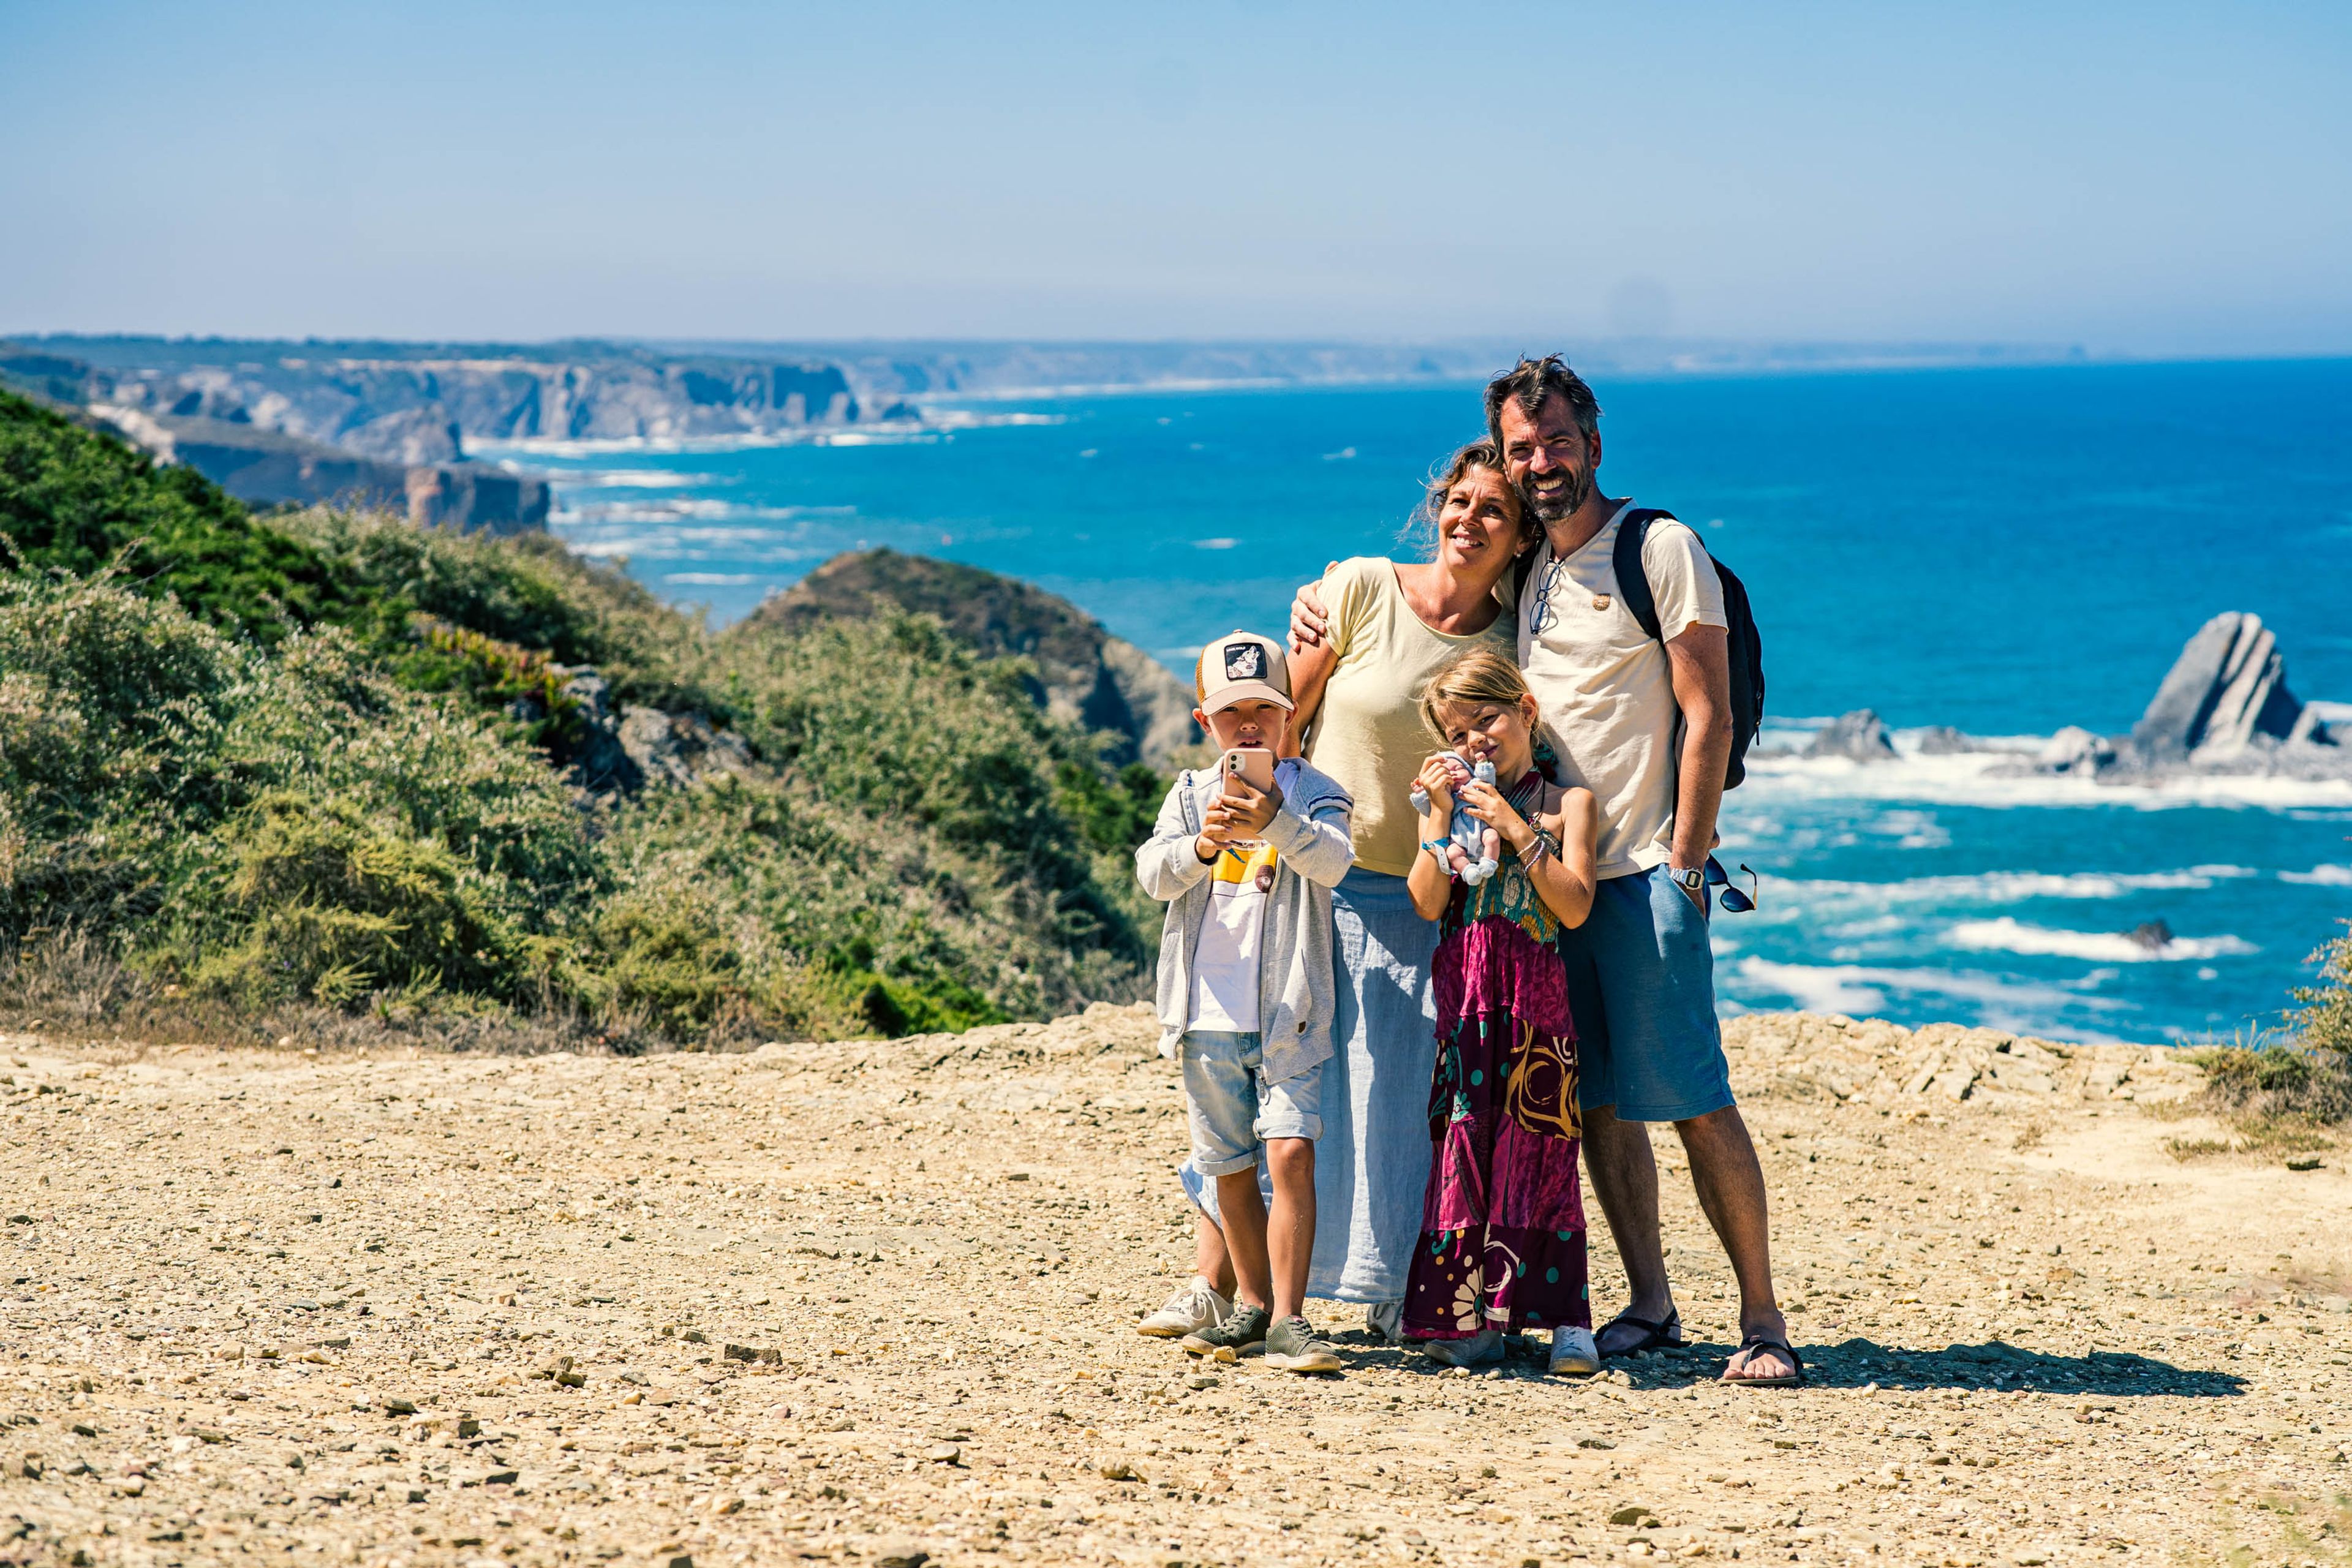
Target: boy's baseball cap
1238,667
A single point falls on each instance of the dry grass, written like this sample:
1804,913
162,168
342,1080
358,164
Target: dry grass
2266,1136
73,986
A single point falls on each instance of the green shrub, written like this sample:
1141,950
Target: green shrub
272,765
334,908
2324,1019
73,501
525,591
145,769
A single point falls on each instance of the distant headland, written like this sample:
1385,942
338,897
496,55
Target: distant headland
383,424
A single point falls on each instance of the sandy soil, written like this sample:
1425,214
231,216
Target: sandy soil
452,1308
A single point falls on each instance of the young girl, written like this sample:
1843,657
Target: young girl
1502,1242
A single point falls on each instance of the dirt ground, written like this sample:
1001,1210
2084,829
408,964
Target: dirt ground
279,1306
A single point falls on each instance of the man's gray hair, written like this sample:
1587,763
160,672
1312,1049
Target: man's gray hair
1528,383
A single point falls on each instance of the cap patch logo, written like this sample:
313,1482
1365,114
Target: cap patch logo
1245,661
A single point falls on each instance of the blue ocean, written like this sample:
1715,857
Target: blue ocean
2005,550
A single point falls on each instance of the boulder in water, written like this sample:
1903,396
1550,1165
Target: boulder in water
2322,724
1943,740
1861,735
2153,935
2074,750
2226,690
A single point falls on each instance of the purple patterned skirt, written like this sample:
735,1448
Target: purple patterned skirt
1502,1226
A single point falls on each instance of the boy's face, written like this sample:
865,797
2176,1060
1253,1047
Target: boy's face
1251,723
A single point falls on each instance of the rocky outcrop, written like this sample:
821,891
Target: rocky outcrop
270,467
266,467
1860,735
2074,750
681,749
2322,724
471,496
1869,1061
1085,675
2224,710
2226,692
628,747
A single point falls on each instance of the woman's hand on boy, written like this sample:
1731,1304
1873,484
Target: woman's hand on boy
1309,620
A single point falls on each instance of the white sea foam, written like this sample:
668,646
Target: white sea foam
2010,935
1860,989
972,419
1214,543
709,579
1969,778
2329,876
629,479
650,511
2016,887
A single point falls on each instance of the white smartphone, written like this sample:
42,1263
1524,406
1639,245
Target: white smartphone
1253,765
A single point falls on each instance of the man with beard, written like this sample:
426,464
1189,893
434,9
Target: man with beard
1644,722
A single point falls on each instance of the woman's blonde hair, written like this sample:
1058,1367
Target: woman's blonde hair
1471,677
1420,530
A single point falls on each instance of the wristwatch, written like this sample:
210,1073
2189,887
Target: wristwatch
1691,881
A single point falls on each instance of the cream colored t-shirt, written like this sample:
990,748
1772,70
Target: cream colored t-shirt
1605,689
1368,733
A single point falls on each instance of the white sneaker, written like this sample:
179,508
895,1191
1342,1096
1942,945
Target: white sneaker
1479,1350
1387,1320
1573,1353
1194,1307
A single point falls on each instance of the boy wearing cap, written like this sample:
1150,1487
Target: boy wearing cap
1245,987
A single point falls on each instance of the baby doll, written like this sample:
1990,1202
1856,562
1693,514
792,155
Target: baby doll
1474,849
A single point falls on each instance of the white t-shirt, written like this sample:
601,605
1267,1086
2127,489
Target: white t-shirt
1224,963
1603,684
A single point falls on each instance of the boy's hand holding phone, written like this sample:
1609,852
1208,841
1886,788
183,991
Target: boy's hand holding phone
1247,806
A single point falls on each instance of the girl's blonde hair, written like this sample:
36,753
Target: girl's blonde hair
1474,676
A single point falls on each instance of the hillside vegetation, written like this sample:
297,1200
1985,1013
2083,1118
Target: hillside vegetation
312,772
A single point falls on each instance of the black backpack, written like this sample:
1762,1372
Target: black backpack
1747,647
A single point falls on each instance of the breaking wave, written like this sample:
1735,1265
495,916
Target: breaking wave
2008,935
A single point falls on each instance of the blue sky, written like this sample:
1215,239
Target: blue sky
2140,178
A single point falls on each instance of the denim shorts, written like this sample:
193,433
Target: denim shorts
1640,981
1233,1108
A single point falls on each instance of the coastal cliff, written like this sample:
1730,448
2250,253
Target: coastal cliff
416,403
267,467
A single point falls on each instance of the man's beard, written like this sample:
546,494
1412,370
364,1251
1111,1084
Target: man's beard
1563,505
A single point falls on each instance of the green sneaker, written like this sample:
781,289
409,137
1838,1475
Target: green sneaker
1291,1346
1232,1339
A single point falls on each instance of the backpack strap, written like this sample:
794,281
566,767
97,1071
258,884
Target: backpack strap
1633,577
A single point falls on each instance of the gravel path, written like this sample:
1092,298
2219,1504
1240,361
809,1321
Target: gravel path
874,1303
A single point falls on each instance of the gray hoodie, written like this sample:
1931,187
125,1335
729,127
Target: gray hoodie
1313,851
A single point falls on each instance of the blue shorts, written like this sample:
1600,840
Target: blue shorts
1233,1108
1640,981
